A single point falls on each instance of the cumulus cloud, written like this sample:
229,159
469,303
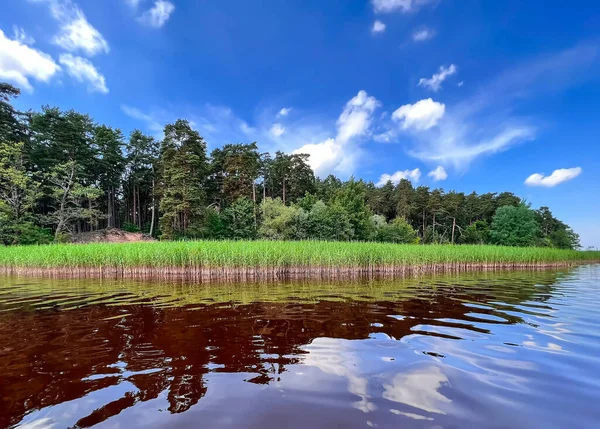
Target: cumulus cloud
413,175
435,83
277,130
158,15
76,33
387,6
423,34
84,71
354,122
284,112
557,177
422,115
378,27
19,63
438,174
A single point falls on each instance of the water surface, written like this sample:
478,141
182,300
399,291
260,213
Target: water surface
482,350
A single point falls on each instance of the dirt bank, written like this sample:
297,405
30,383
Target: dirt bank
110,235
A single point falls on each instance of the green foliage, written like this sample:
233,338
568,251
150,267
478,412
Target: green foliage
476,233
396,231
514,226
351,199
130,227
183,172
277,220
240,219
172,186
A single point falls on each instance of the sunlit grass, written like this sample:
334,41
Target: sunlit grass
202,255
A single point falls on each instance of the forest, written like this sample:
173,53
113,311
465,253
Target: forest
61,173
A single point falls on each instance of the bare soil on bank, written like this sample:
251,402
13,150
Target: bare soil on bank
110,235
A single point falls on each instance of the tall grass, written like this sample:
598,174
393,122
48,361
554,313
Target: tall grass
274,257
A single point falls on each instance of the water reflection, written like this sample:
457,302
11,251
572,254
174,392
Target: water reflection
455,351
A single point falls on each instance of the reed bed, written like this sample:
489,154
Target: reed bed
257,259
264,259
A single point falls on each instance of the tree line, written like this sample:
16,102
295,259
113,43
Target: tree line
61,173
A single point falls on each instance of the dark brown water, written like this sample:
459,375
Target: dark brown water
488,350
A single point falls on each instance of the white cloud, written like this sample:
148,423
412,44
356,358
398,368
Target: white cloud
419,389
76,33
435,83
557,177
461,83
413,175
22,37
423,34
284,112
335,154
158,15
378,27
84,71
277,130
422,115
453,143
484,123
19,63
387,6
438,174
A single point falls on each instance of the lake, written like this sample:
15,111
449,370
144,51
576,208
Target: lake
481,350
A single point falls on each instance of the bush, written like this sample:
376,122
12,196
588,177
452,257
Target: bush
514,226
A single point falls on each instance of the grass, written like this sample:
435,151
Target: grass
218,258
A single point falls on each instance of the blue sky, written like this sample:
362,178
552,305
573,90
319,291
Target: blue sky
465,95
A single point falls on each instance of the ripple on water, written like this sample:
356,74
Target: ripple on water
484,350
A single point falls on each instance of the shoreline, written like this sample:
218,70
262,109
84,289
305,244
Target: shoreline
276,273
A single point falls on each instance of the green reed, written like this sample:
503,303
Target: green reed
202,255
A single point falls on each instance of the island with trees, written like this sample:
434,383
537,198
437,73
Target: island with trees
62,174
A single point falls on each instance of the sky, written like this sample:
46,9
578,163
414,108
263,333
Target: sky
464,95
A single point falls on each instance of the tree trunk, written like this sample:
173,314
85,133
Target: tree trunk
110,209
139,218
134,217
453,226
254,200
153,206
284,190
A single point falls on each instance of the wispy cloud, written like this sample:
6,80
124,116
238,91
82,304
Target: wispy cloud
76,34
387,6
284,112
484,123
82,70
435,82
556,178
422,34
277,130
158,15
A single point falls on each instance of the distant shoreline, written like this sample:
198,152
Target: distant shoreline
273,260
